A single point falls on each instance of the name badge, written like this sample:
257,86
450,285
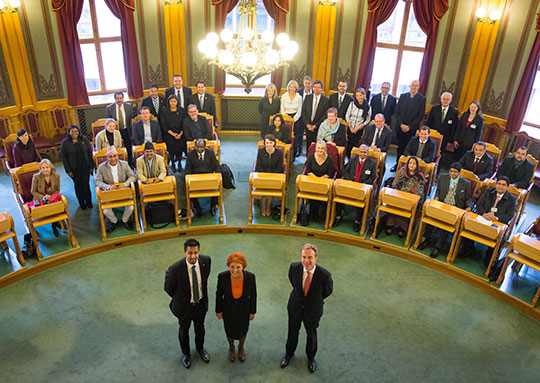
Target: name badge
473,126
494,209
368,172
449,121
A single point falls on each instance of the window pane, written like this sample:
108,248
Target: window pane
84,26
264,80
410,70
113,65
108,24
91,71
384,68
415,36
231,22
264,21
231,80
533,112
390,30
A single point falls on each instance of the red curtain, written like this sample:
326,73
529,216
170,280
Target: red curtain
123,9
68,14
223,7
523,94
428,14
277,9
378,12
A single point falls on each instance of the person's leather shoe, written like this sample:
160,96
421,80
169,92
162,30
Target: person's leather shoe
312,365
55,226
401,234
285,361
204,355
422,245
128,225
394,168
186,361
89,204
434,253
356,227
198,212
109,226
213,211
337,220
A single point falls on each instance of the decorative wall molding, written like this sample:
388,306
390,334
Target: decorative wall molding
494,104
6,96
444,88
199,73
156,76
298,74
340,76
48,86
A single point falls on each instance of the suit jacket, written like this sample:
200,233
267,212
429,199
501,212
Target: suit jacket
369,171
269,164
138,132
447,127
320,113
209,164
384,140
520,177
103,143
409,111
189,131
467,136
428,154
128,113
484,169
301,93
104,178
186,92
178,287
158,168
149,102
334,103
38,185
389,108
209,105
463,191
227,304
311,305
506,207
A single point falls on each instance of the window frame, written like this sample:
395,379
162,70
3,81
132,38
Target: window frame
528,123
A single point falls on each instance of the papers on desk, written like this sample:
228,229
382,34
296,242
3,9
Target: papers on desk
482,220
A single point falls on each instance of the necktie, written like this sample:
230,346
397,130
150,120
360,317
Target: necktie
376,138
307,283
156,104
475,165
497,199
120,116
195,286
383,102
201,101
340,101
359,170
420,149
315,104
180,100
443,114
200,157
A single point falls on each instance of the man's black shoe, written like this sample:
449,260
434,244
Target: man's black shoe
128,225
89,204
394,168
337,220
198,212
186,361
312,365
422,245
285,361
356,227
213,211
55,227
109,226
204,355
434,253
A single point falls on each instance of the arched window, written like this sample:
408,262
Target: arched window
400,49
531,122
101,48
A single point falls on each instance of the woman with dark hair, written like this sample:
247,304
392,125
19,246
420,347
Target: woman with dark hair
269,160
76,153
469,131
279,130
171,122
268,105
408,179
236,302
358,116
45,184
24,150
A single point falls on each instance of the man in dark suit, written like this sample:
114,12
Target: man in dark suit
409,112
123,113
146,129
314,112
341,100
377,136
518,169
361,169
452,190
299,126
444,118
311,285
196,126
478,161
384,103
307,89
422,146
205,101
182,92
155,102
186,283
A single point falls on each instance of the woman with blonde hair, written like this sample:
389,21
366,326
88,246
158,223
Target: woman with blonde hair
268,105
45,184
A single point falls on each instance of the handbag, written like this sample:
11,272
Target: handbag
159,214
303,215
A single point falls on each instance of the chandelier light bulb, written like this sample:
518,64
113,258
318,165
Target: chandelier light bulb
267,37
289,50
282,39
202,45
481,13
226,58
211,51
249,59
212,38
495,15
247,34
226,35
271,57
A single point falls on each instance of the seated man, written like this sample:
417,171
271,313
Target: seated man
377,136
196,126
109,136
111,175
478,161
452,190
146,129
361,169
518,169
422,146
151,165
202,160
204,102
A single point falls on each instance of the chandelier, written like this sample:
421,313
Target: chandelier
247,56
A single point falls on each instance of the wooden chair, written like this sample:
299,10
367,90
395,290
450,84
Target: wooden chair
204,185
4,123
7,231
210,122
333,151
267,185
160,149
428,170
284,148
524,250
520,195
31,123
476,184
380,157
494,152
341,149
440,215
60,120
438,139
533,161
352,194
161,191
316,188
111,199
21,178
214,145
8,144
98,126
400,203
101,156
289,123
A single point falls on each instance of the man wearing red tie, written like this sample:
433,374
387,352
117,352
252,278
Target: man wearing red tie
311,285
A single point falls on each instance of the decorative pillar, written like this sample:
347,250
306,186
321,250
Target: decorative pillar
175,35
325,30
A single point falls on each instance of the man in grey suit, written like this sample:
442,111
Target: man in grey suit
111,175
123,113
146,129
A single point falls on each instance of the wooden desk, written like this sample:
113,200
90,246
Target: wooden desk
353,194
267,185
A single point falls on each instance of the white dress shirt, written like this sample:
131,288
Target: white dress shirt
114,172
147,132
289,107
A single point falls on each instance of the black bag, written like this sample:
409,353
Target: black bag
29,250
496,269
228,177
303,215
276,212
159,213
388,183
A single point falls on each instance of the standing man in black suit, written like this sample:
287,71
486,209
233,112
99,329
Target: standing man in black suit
182,92
377,136
409,112
311,284
155,102
518,169
300,126
341,99
146,129
205,101
123,113
422,146
384,103
314,112
444,118
186,283
478,161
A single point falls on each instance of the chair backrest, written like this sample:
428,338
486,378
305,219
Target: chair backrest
24,176
4,128
59,117
534,228
101,156
289,123
437,138
520,195
160,149
380,158
533,161
139,118
494,152
210,122
332,151
213,145
31,123
9,142
521,139
475,182
97,127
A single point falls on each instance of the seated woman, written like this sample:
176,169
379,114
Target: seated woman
109,136
331,131
24,150
408,179
269,160
44,185
319,164
279,130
